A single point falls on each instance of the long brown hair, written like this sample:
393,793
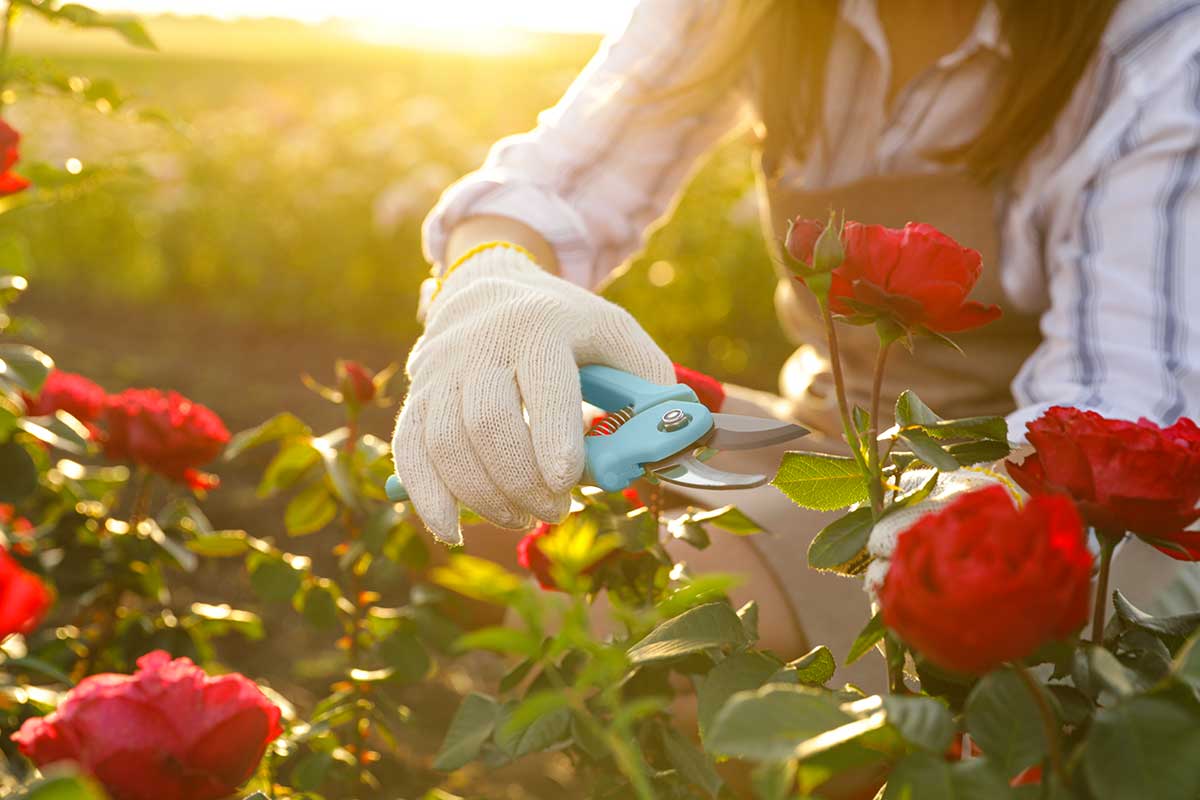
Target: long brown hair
785,44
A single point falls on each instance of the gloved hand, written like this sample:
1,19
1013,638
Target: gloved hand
949,487
501,332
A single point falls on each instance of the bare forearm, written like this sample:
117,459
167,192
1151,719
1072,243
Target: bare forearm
477,230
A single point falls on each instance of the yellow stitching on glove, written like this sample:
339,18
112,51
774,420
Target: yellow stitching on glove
479,248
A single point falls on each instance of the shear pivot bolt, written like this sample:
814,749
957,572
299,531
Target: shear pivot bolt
673,420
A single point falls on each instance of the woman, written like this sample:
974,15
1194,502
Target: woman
1060,139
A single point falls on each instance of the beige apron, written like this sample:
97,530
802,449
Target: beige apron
830,609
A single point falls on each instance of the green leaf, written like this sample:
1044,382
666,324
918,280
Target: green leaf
992,428
65,787
1177,627
925,776
472,725
478,579
220,544
820,482
57,432
407,657
25,366
273,579
1144,747
1186,667
841,546
319,605
769,724
692,764
729,518
294,459
867,638
310,510
774,780
1003,719
695,630
500,639
277,427
923,721
928,450
539,722
742,671
815,667
910,410
968,453
19,471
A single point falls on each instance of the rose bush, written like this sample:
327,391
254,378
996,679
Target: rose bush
167,731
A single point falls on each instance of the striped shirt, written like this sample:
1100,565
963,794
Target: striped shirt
1100,233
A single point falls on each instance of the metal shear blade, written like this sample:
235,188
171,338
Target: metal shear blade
730,432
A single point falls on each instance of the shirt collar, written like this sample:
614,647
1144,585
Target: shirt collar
863,17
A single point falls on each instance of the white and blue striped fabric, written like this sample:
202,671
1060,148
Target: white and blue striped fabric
1100,230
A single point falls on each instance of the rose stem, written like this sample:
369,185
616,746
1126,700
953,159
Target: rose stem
1107,545
354,532
839,383
874,478
1049,721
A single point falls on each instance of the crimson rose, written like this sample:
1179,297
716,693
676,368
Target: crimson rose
24,599
916,276
10,183
167,433
1125,476
66,391
981,582
167,731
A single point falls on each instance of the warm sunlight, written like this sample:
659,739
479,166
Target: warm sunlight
537,15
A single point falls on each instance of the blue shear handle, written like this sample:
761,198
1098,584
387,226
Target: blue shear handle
611,389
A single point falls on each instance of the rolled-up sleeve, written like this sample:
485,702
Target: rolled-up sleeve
608,160
1122,333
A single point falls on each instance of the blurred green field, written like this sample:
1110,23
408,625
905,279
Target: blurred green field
289,189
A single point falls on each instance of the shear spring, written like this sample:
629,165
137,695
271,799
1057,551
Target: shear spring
609,424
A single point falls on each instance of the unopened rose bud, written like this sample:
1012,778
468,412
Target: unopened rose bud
356,382
828,252
801,238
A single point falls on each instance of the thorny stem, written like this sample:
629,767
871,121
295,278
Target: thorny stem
839,383
1049,721
874,479
1108,543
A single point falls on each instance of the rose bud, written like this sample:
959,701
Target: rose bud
1125,476
802,237
982,582
356,382
10,183
24,599
165,432
167,731
707,388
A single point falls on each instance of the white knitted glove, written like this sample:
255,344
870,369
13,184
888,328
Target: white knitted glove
886,532
501,333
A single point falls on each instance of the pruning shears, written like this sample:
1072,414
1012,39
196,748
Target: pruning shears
661,433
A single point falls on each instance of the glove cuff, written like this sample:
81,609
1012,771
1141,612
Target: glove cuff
494,256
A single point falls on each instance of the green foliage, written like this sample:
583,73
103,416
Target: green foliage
820,482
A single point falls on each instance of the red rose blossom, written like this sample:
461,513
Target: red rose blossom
981,582
165,432
24,599
1125,476
167,732
357,382
916,276
66,391
531,557
707,388
10,183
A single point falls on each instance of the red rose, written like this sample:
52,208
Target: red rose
66,391
167,433
9,182
167,731
1125,476
981,582
357,383
531,557
24,599
916,276
707,388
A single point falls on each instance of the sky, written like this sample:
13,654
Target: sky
536,15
